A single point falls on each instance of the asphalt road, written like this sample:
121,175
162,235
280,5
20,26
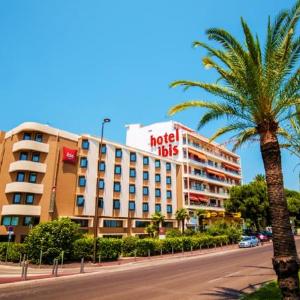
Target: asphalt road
214,276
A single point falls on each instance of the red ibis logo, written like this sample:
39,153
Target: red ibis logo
69,155
165,143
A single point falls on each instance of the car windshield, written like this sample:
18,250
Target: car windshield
246,238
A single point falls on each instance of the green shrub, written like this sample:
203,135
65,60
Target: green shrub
175,243
109,248
15,250
144,245
173,233
232,230
129,245
83,248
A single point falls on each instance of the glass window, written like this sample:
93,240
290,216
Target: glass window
117,187
29,199
131,189
23,156
169,194
132,173
101,184
85,144
20,176
28,220
38,137
17,198
145,191
103,149
80,200
118,169
32,177
14,221
118,153
27,136
146,160
112,223
6,220
168,166
157,177
157,207
101,166
145,175
116,204
132,156
100,203
35,157
145,207
83,162
157,163
131,205
169,209
81,181
139,224
168,180
157,192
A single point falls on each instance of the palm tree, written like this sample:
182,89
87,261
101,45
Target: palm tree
200,213
258,89
181,215
157,219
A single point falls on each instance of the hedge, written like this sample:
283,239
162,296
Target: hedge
15,251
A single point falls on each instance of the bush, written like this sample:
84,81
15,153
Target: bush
52,237
83,248
129,245
15,251
173,233
232,230
144,245
109,248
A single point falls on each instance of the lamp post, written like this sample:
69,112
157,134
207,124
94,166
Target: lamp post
96,221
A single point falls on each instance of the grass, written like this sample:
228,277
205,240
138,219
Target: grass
269,291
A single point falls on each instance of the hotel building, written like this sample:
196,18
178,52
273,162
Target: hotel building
46,173
209,169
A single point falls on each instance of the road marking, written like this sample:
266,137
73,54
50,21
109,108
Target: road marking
226,276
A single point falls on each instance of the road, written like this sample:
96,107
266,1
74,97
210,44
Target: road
213,276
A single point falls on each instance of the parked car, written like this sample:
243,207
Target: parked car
262,237
248,241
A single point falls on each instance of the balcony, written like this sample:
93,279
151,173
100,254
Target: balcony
27,165
21,210
200,191
206,207
31,145
24,187
210,179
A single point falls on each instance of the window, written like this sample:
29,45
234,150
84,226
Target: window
169,194
131,189
81,222
145,191
132,173
32,177
112,223
28,220
103,149
101,166
27,136
118,169
157,177
157,207
145,175
35,157
169,209
23,156
38,137
157,192
80,201
168,166
116,204
16,198
20,176
157,163
29,199
101,184
100,203
145,207
145,160
81,181
118,153
132,156
168,180
85,144
131,205
140,224
9,220
83,162
117,187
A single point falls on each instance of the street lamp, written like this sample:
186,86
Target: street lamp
96,221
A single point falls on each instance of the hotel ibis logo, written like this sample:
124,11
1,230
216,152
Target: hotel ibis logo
166,144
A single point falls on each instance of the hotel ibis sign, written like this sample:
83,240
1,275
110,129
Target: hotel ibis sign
166,144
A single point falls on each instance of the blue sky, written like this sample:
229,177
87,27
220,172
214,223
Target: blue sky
69,63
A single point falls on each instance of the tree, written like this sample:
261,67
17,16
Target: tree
293,201
252,201
258,90
157,221
151,229
200,213
181,215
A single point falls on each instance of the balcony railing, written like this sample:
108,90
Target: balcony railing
223,181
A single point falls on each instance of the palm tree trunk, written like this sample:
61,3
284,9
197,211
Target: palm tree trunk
285,260
182,226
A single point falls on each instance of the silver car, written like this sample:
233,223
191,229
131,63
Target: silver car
248,241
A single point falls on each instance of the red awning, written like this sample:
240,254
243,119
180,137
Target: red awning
198,198
215,173
198,154
231,167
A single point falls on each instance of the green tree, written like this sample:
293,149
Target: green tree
200,213
252,201
157,221
181,215
52,238
259,88
293,201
